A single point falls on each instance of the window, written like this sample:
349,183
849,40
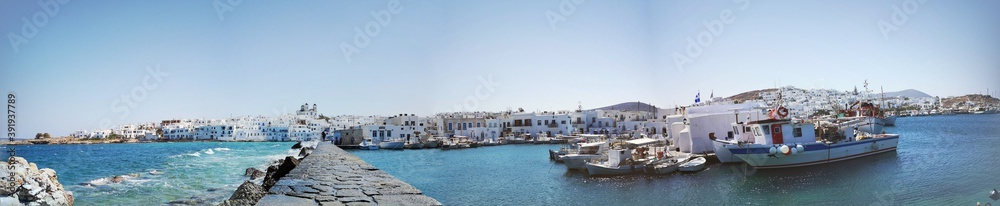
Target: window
546,122
736,131
374,133
797,132
449,126
539,122
477,124
563,122
388,133
766,129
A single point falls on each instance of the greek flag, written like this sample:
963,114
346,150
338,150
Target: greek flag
697,97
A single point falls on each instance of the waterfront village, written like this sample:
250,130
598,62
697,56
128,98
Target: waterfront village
306,124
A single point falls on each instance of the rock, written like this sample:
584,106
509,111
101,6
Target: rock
117,179
33,186
254,173
280,171
305,152
247,194
298,145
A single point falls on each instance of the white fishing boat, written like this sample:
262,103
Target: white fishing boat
586,152
619,163
782,143
622,161
692,165
392,144
432,143
368,145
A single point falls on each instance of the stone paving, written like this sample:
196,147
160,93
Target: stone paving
332,176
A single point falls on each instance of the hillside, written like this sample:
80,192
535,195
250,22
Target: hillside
751,95
629,106
976,99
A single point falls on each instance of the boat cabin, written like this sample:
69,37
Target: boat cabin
777,131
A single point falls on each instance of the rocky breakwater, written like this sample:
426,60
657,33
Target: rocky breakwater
332,176
31,186
259,181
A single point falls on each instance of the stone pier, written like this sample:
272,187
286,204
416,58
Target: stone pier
332,176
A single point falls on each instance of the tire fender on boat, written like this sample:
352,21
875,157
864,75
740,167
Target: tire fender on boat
786,150
874,146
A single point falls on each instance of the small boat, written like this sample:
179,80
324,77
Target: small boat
559,140
154,172
692,165
994,195
620,161
418,145
586,152
432,143
368,145
554,154
666,166
391,144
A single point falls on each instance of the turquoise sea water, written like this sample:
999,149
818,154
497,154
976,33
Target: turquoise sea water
941,160
190,171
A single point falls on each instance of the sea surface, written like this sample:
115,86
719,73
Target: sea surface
204,173
941,160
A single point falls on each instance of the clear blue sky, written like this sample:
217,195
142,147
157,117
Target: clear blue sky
266,57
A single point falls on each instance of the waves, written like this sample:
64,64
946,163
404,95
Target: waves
198,173
209,151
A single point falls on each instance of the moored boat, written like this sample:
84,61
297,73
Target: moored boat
586,152
418,145
391,144
692,165
622,161
368,145
782,143
432,143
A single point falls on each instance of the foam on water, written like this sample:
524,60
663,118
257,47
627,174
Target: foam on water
209,151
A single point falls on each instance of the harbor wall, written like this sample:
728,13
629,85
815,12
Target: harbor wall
332,176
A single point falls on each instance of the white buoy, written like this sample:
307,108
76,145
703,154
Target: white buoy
800,148
772,150
785,150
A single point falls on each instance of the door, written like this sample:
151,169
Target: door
776,137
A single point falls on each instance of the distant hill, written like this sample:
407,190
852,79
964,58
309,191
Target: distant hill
629,106
977,99
751,95
911,93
